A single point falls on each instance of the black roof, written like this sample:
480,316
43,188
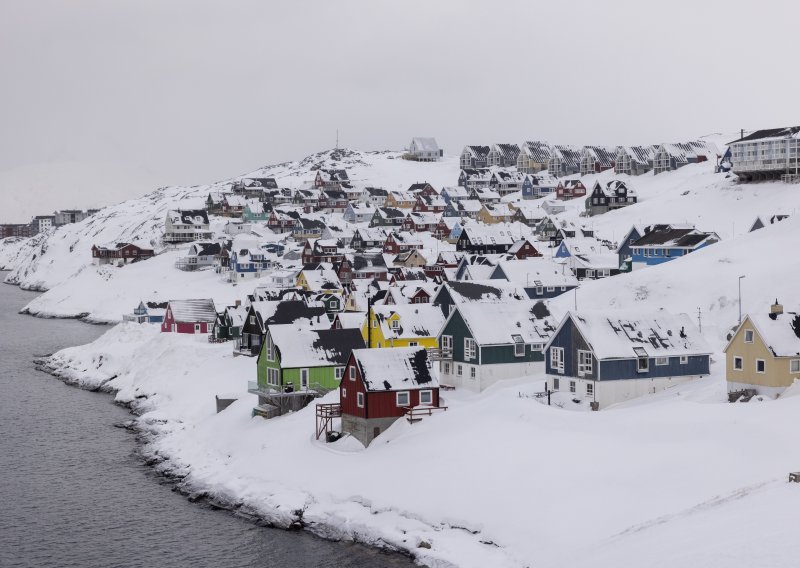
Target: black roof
662,234
363,261
392,212
207,249
769,133
311,223
473,290
292,310
338,343
378,191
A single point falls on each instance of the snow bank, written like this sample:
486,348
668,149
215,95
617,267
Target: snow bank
497,480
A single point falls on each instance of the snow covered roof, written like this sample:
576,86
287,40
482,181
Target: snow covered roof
190,311
616,334
416,320
351,320
320,280
477,151
529,319
197,217
314,347
483,291
782,334
538,271
673,236
394,369
537,151
425,144
778,133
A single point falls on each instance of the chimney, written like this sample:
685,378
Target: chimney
238,303
775,310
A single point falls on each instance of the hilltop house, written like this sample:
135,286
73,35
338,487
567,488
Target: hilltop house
541,278
388,217
474,157
608,357
503,155
570,189
376,196
382,385
255,210
564,160
358,212
424,150
533,157
763,355
767,154
673,156
662,243
368,238
200,255
331,178
189,316
321,280
535,186
634,160
147,312
321,250
486,239
483,343
247,263
120,254
185,226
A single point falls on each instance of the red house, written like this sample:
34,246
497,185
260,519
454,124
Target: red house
401,242
570,189
523,249
189,316
381,385
120,253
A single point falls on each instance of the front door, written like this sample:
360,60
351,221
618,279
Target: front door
304,378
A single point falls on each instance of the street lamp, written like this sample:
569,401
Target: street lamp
740,298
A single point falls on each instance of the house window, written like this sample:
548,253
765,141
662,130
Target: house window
270,348
551,288
197,328
760,366
472,372
459,370
426,397
643,364
519,346
273,377
584,362
446,368
589,273
738,363
304,378
572,386
557,359
748,336
684,359
334,305
344,393
353,373
539,290
661,361
470,351
395,324
339,372
403,398
556,383
360,399
447,343
590,389
794,366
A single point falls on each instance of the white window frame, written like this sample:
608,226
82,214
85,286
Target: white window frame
764,364
794,366
459,369
305,377
662,361
344,393
446,367
748,333
646,368
395,324
339,373
518,342
584,362
589,389
557,359
447,342
353,373
473,373
470,349
426,397
572,386
684,359
738,363
406,395
556,384
360,399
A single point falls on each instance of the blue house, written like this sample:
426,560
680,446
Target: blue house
541,278
534,187
609,357
247,263
624,250
147,312
662,243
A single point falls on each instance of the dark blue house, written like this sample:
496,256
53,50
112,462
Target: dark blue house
624,250
662,243
606,358
534,187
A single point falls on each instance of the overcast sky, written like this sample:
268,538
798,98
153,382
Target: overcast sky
190,91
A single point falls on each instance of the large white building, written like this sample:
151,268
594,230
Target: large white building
767,154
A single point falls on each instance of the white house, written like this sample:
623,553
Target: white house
186,226
424,149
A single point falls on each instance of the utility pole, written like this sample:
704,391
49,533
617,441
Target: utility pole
337,138
740,298
369,323
699,320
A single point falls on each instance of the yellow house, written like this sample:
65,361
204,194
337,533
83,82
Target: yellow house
492,213
764,353
323,281
400,200
406,325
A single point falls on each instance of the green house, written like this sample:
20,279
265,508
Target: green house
294,360
254,210
484,342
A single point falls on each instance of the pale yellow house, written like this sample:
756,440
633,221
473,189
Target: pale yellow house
492,213
764,353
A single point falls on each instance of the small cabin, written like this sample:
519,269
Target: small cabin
189,316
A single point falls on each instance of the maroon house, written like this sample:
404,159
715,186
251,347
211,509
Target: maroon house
523,249
120,253
401,242
381,385
189,316
570,189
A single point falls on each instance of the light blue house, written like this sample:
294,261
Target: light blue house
662,243
254,210
607,357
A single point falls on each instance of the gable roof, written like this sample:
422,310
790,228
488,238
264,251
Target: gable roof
672,236
196,217
416,320
626,335
529,319
314,347
191,311
781,335
425,144
396,369
785,132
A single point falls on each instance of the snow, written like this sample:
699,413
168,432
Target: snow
681,478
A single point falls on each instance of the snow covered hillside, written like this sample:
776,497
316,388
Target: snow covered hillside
498,480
